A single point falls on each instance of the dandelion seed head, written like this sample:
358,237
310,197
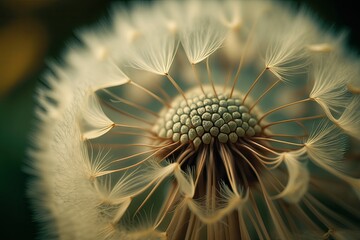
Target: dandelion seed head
200,120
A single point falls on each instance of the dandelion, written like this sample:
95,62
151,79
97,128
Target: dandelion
200,120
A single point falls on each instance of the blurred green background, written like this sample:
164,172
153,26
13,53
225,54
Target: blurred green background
32,31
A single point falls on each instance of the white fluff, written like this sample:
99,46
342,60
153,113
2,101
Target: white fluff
349,120
200,34
155,54
298,181
96,122
286,50
326,145
330,76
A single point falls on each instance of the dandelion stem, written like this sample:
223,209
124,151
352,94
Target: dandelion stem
264,94
156,151
116,145
149,195
202,156
191,226
253,84
137,134
316,212
185,155
178,88
257,229
170,200
226,157
127,114
131,126
132,104
165,94
283,106
263,147
320,206
294,120
211,80
196,74
134,155
258,154
150,93
246,46
263,162
227,80
287,135
278,141
279,225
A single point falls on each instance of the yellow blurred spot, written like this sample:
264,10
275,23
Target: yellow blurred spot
22,47
353,88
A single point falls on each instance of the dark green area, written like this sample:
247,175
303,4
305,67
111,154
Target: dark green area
16,109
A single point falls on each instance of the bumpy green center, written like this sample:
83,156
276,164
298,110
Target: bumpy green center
207,117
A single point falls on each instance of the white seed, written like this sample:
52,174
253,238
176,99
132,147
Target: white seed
214,131
236,115
176,118
180,111
233,137
252,122
183,118
215,100
176,137
207,125
257,128
227,117
222,110
197,141
219,122
245,117
243,109
193,106
250,132
169,124
208,109
240,132
206,116
223,138
206,138
225,129
230,101
193,113
169,133
184,138
207,101
215,117
232,109
239,122
215,107
176,127
187,110
196,120
200,131
192,134
232,125
201,110
184,129
200,104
